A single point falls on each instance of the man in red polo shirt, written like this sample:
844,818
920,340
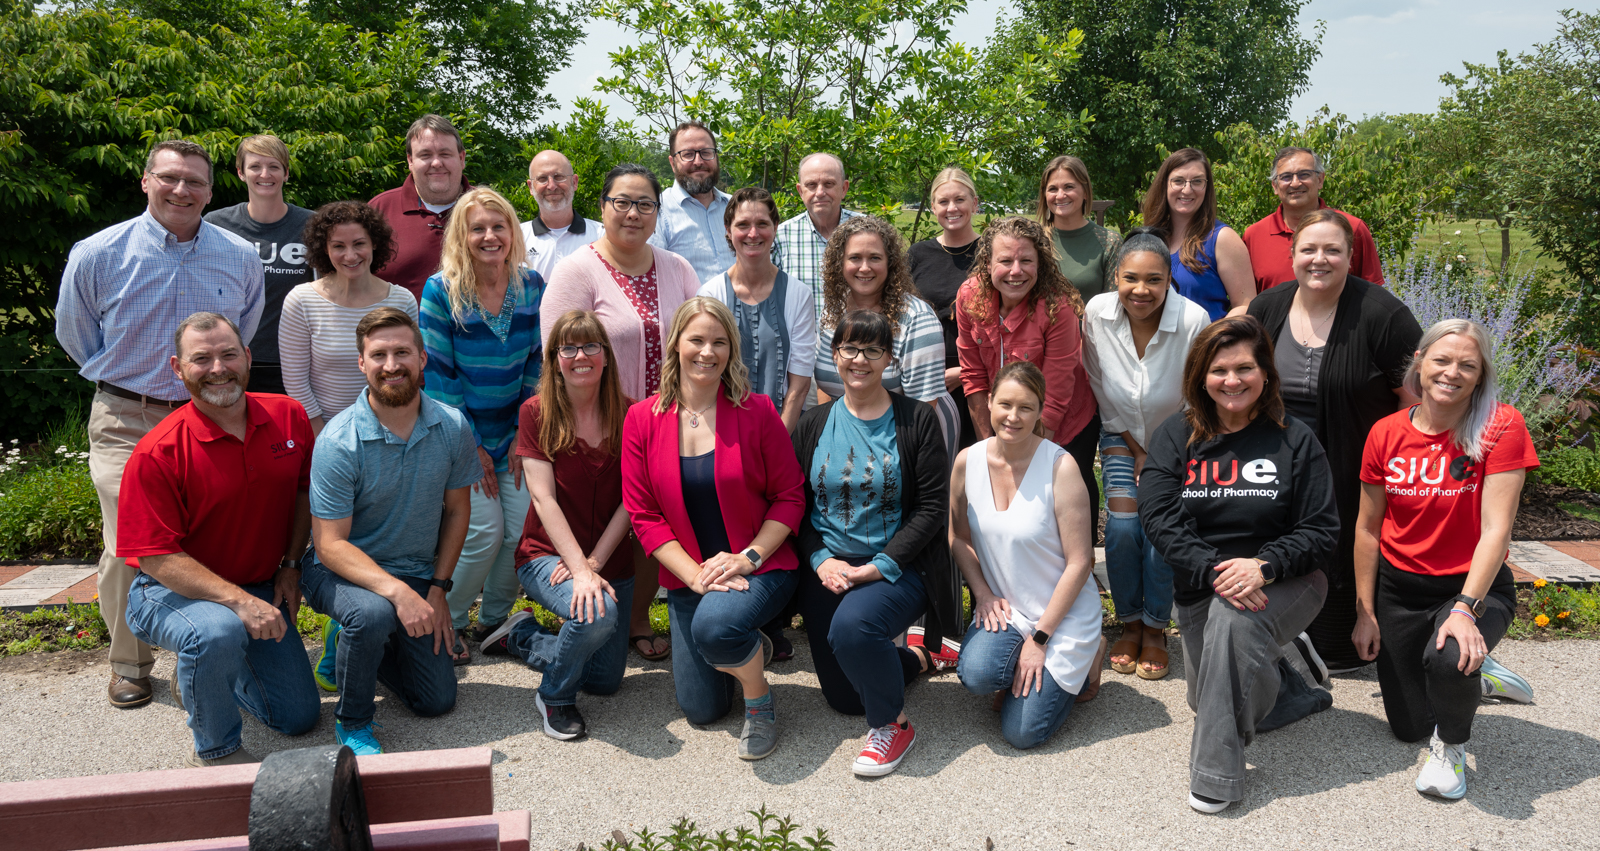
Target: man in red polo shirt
214,512
418,209
1296,177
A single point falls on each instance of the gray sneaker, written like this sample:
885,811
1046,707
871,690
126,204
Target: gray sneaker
759,738
1501,682
238,757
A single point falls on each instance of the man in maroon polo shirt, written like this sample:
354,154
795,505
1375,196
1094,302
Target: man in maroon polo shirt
214,512
419,208
1296,177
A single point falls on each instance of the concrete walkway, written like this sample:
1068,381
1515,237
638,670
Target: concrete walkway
1115,777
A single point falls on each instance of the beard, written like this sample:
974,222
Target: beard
395,395
700,186
217,395
548,206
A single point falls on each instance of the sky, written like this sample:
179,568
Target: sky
1377,55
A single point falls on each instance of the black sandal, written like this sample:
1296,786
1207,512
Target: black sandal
650,640
459,654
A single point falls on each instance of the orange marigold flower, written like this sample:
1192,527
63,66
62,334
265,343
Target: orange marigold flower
1542,620
1539,583
1563,615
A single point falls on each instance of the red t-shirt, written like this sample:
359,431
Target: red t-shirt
191,487
1435,491
588,491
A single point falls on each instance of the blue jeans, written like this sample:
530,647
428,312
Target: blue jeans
989,664
719,630
374,648
860,669
220,666
1141,583
591,656
489,555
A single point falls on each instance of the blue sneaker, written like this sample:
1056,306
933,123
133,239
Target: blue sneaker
362,741
324,672
1499,681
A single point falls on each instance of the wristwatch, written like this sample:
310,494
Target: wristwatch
288,563
1040,637
1269,574
752,555
444,583
1476,605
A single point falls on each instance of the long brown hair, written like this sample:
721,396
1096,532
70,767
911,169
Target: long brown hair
1051,285
897,286
558,428
1158,214
1229,331
1080,173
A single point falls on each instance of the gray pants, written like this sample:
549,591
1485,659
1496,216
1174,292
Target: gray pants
1239,682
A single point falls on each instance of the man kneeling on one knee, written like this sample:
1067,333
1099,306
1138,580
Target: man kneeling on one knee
214,508
384,548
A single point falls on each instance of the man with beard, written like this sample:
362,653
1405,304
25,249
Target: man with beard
123,292
384,547
418,209
557,231
690,223
214,515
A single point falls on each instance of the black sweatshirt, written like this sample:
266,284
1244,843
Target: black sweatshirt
1263,492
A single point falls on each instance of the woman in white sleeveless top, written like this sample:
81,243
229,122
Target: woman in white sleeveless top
1018,508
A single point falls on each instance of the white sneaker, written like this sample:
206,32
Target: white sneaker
1207,805
1445,774
1313,660
1499,681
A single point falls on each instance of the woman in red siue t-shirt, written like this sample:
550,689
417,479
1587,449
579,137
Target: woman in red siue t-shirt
1440,483
574,558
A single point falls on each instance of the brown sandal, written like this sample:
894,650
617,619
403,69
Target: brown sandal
1153,655
1128,645
1091,686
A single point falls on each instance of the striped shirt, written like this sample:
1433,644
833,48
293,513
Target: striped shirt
317,342
695,232
470,369
798,250
127,287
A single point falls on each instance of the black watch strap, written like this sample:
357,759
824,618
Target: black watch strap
445,583
1476,605
1040,637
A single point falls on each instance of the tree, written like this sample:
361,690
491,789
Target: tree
1165,74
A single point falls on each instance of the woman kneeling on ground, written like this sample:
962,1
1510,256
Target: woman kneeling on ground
1236,497
573,558
710,480
1017,517
1439,489
874,538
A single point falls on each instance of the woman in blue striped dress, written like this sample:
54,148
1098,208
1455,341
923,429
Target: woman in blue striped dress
480,328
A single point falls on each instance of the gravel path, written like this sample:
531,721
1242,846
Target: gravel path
1114,777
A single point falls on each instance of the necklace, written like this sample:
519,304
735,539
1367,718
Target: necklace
953,252
694,416
1312,330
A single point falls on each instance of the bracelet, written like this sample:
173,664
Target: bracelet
1474,617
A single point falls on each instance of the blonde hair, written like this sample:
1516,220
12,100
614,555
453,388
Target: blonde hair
735,376
455,258
953,174
1471,432
262,146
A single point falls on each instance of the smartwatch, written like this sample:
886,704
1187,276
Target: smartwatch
1040,637
1476,605
1269,574
752,555
445,583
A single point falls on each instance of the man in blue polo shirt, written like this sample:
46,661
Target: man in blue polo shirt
384,549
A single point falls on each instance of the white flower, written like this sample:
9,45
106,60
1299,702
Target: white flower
1447,267
1458,233
60,449
1461,257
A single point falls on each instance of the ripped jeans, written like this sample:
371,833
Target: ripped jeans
1141,583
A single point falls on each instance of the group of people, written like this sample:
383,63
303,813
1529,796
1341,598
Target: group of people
771,418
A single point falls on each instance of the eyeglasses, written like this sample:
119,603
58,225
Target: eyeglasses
1196,183
707,154
1290,177
171,181
872,352
570,352
623,205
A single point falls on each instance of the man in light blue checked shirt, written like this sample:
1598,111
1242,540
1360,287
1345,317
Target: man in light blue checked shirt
690,222
124,292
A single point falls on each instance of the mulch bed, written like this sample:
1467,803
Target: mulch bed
1540,517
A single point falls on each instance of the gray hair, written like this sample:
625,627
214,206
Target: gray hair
202,321
183,148
1470,431
813,155
1285,153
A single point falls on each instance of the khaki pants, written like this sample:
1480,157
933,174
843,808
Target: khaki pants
115,426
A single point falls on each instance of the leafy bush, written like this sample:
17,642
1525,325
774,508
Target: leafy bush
71,627
49,511
772,833
1573,466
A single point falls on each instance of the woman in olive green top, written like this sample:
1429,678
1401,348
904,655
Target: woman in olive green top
1084,250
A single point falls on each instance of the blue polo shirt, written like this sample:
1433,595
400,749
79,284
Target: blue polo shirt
392,489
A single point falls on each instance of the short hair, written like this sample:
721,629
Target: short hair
953,174
1317,217
1145,240
1471,432
1080,172
814,154
181,147
323,221
1031,378
1051,285
672,138
438,124
1157,213
262,145
863,328
204,320
625,169
1225,333
1285,153
747,195
381,318
735,376
898,288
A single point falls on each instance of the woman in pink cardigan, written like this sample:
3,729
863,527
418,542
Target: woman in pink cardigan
711,481
634,288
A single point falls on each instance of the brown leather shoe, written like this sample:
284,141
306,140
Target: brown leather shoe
128,692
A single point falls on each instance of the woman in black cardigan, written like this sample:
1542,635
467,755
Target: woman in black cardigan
874,544
1341,346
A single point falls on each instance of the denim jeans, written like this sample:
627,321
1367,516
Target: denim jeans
989,664
374,648
591,656
719,630
220,667
1141,583
852,635
488,560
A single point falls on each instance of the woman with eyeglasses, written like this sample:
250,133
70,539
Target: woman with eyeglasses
634,288
1210,264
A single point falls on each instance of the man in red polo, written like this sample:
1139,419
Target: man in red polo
214,512
419,209
1296,177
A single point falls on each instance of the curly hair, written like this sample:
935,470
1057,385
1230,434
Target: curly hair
897,287
327,216
1051,285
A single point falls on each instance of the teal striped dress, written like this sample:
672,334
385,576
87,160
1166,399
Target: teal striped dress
473,370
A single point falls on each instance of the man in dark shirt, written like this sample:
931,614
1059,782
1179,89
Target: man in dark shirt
418,209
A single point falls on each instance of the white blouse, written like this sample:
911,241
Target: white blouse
1137,394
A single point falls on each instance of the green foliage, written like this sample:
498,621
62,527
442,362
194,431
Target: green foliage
48,504
70,627
1572,466
772,833
1165,74
594,143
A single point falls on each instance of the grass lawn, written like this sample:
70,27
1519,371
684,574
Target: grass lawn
1478,239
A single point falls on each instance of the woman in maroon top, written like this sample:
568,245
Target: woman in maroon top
572,559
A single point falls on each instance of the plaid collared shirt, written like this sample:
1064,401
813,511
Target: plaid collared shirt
798,251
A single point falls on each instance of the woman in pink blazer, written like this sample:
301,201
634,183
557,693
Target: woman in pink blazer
711,481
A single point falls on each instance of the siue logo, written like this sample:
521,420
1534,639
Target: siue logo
1430,471
291,253
280,449
1258,472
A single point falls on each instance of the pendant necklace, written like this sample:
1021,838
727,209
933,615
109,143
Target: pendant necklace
1311,329
694,416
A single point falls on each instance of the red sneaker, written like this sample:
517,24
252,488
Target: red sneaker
945,660
886,746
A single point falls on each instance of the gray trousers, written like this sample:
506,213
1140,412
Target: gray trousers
1239,682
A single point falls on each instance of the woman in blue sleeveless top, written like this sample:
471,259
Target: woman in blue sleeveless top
1210,264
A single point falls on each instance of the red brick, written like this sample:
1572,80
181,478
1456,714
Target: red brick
83,592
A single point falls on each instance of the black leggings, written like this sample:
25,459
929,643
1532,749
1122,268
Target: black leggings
1082,447
1422,687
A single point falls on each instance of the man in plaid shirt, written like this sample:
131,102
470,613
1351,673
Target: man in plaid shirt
801,240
